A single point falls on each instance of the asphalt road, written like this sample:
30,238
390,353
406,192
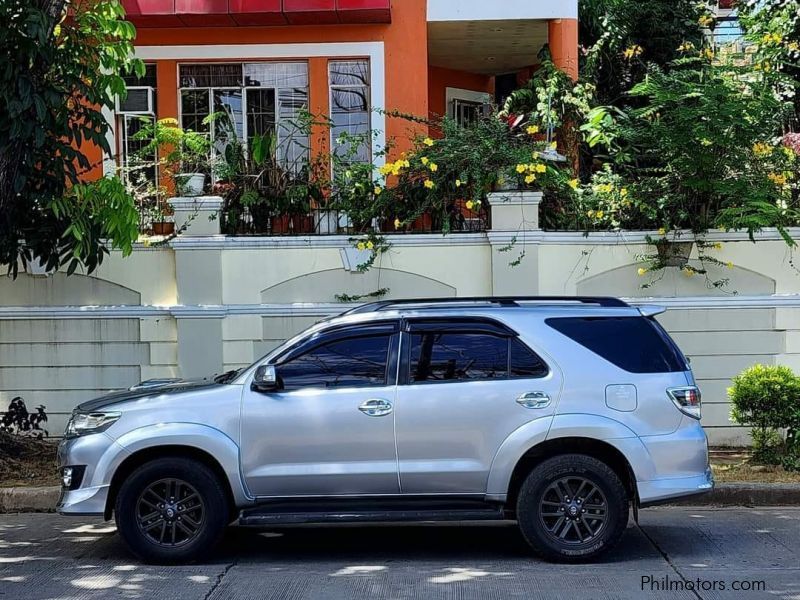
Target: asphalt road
710,550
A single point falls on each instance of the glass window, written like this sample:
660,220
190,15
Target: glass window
352,362
635,344
524,363
442,356
255,99
350,107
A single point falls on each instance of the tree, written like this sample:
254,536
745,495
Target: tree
61,62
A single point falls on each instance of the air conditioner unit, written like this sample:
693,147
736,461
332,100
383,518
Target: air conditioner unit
139,101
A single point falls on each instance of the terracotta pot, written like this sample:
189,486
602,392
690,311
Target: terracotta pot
423,223
163,228
280,225
302,224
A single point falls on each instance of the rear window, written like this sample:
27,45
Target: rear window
635,344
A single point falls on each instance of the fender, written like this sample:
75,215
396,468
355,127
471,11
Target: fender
544,429
511,450
194,435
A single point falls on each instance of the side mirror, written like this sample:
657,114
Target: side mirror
265,379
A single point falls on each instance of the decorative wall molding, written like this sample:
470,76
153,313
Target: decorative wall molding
312,309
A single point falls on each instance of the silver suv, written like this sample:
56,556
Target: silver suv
559,413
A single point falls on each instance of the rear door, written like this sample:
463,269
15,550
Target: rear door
465,386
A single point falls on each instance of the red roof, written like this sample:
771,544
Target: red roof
214,13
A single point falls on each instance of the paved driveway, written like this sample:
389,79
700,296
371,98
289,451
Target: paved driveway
710,550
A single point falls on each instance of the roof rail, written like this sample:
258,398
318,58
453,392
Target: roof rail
501,301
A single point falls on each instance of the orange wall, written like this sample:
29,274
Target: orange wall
440,79
406,57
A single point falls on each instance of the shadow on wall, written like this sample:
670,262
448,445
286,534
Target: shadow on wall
59,290
324,286
626,282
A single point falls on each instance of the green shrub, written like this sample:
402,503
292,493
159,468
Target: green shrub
767,398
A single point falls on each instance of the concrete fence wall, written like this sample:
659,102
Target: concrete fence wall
206,303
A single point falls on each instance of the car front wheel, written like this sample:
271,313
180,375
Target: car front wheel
572,508
171,510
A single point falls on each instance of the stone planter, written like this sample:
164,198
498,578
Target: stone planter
198,215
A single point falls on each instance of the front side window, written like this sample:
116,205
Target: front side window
349,362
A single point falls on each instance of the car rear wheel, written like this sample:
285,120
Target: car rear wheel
572,508
171,510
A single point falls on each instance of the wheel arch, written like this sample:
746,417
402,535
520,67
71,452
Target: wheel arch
145,455
601,450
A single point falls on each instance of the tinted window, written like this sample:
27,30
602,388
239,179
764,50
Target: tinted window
352,362
524,362
635,344
458,356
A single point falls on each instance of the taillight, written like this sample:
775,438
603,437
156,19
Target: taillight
687,399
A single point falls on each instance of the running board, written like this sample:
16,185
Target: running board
268,515
258,519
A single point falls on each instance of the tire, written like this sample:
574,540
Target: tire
160,530
572,508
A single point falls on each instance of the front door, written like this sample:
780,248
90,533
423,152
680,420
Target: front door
466,385
329,431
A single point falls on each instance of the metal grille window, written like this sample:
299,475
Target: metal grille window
253,99
350,106
133,113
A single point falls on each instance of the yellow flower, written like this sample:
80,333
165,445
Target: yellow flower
662,231
540,168
708,53
146,242
378,190
370,245
428,142
405,164
361,246
633,51
706,142
459,183
532,129
425,160
729,265
762,150
530,179
574,183
590,214
623,192
600,214
641,271
553,145
385,169
705,20
521,169
397,223
718,246
429,184
793,46
686,47
777,178
470,204
689,271
433,167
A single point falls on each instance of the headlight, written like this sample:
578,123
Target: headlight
85,423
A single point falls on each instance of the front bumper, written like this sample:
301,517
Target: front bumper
93,452
83,501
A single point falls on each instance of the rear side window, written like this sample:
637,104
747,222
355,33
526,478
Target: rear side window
438,356
635,344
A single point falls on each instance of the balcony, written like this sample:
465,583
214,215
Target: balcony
231,13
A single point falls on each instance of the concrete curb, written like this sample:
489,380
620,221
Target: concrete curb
29,499
747,494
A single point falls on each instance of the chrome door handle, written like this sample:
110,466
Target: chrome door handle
534,400
377,407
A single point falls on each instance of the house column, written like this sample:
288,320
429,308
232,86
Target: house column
563,36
